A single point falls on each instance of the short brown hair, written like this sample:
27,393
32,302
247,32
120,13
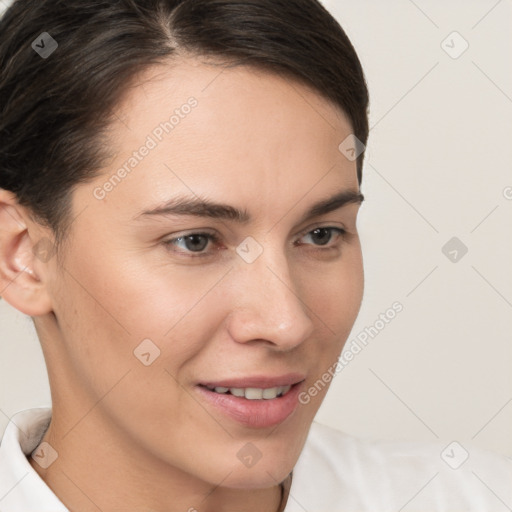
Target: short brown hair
54,111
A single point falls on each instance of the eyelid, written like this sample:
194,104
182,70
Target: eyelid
342,233
326,225
201,231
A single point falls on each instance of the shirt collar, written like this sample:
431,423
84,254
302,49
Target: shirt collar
21,488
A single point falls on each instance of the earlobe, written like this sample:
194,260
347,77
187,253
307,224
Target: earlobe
21,280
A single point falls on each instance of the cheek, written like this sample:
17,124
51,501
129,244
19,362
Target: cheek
143,297
105,317
106,308
334,293
336,301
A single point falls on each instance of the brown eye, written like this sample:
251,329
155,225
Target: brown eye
321,236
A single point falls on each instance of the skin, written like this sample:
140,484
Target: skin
130,434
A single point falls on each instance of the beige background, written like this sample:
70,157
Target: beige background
438,166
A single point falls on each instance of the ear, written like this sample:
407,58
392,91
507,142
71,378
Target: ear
24,256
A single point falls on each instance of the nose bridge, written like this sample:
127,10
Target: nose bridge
270,306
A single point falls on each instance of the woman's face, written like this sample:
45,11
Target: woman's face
153,310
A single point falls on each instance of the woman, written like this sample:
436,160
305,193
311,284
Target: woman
180,183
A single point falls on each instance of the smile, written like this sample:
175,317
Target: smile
255,402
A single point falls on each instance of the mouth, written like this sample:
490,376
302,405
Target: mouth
254,402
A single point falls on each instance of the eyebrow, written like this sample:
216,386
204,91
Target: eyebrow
199,207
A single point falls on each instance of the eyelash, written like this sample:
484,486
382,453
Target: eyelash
215,240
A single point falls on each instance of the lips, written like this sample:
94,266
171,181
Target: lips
257,402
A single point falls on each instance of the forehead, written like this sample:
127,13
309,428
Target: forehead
232,100
220,130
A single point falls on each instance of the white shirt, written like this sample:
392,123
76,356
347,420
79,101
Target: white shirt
335,472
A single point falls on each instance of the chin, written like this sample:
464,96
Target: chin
258,477
262,467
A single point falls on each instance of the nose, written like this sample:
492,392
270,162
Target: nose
269,306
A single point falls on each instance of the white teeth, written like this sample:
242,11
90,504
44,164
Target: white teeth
270,393
254,393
